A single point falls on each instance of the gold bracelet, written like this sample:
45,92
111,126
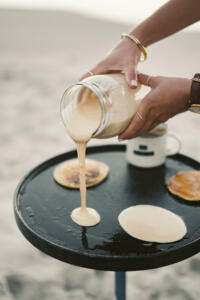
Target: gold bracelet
135,40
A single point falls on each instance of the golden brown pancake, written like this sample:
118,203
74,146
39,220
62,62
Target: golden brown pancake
186,185
67,173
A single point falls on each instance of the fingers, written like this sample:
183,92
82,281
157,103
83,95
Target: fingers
134,127
87,74
150,123
95,71
139,127
131,77
156,123
143,121
149,112
137,123
148,80
129,72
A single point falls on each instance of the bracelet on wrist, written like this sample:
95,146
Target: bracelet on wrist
138,43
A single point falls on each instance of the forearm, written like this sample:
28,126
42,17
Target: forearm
170,18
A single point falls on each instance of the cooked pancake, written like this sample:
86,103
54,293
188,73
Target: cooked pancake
186,185
67,173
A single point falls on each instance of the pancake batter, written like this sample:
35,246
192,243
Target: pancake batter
152,223
81,126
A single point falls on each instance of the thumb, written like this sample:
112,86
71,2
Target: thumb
147,80
131,78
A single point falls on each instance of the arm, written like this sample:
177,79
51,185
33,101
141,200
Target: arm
170,18
168,96
124,57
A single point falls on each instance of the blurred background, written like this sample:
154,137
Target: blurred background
44,47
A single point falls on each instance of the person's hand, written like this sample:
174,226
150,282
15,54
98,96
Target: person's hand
122,58
168,97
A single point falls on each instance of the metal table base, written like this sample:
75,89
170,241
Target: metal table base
120,285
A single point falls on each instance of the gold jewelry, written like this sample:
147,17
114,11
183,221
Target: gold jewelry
140,116
138,43
91,73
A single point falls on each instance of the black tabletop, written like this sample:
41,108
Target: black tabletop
43,207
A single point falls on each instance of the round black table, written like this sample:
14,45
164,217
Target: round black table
42,210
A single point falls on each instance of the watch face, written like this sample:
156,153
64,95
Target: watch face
195,108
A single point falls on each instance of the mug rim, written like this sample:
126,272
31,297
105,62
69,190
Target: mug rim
155,135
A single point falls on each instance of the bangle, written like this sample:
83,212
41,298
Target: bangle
137,42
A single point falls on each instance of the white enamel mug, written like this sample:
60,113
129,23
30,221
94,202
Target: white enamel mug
151,150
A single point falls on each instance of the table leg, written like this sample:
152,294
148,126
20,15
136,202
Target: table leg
120,285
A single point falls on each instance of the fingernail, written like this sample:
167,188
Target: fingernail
134,83
120,140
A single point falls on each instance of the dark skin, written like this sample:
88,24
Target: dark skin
159,106
169,95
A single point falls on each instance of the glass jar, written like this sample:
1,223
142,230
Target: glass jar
117,100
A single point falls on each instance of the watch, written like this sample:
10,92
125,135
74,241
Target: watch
195,94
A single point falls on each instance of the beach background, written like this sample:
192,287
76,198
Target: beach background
43,49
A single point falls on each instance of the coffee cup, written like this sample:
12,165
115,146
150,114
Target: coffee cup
151,150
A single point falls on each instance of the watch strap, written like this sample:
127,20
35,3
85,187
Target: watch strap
195,90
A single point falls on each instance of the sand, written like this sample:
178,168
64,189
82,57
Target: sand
40,54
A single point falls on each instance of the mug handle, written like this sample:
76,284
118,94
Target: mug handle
178,145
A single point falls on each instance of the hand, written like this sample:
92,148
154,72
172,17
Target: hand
122,58
168,97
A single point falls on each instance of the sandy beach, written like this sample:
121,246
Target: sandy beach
41,53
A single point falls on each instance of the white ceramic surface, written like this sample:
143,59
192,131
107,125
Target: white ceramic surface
151,150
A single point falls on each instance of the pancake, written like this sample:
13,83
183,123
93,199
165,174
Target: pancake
152,224
185,185
67,173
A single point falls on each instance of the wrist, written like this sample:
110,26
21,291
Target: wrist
135,40
130,45
141,36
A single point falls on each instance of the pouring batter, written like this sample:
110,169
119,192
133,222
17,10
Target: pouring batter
81,126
